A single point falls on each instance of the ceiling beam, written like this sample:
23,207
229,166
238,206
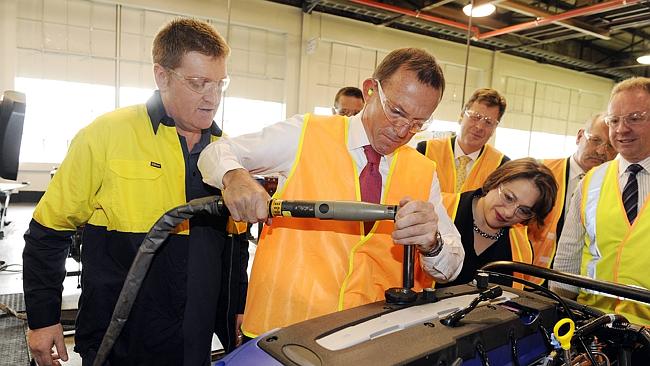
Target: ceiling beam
415,14
573,24
592,9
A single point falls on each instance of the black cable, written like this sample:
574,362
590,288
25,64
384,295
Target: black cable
625,291
485,361
452,319
5,268
514,352
12,312
593,312
553,295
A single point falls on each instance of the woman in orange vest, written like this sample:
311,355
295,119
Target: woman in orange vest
491,220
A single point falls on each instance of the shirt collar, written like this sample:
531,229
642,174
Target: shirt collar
357,137
158,115
623,164
458,151
574,168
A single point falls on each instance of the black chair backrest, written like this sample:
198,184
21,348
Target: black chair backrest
12,117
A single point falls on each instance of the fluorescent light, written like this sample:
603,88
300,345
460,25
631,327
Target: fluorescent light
644,60
480,11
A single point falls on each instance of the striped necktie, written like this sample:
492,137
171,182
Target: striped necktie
631,192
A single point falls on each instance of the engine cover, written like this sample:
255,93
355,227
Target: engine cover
514,325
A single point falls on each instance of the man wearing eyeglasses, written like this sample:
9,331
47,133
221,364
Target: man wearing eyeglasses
121,173
464,162
606,232
594,148
348,101
307,268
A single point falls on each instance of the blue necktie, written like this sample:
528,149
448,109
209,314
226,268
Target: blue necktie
631,192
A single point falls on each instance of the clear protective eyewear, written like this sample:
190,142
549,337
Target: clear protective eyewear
631,119
509,199
399,118
597,142
345,112
476,117
202,85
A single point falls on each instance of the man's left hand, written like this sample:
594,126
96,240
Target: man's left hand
416,223
238,332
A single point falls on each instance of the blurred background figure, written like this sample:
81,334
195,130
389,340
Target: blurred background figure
348,101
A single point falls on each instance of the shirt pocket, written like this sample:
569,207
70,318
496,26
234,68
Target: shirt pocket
137,194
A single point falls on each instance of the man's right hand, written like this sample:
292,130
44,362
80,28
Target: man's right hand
245,198
40,343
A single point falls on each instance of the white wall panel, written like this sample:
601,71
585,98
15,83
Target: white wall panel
30,9
79,68
103,17
55,36
103,71
30,63
239,37
102,43
257,63
29,33
131,21
55,66
78,40
153,21
131,47
79,13
55,11
276,66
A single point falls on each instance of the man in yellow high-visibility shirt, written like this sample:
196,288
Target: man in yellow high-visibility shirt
121,173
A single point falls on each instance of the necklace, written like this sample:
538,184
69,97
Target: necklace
486,235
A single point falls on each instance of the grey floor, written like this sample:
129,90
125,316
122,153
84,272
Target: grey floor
11,280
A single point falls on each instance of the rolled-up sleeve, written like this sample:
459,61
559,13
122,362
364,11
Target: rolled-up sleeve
447,265
269,151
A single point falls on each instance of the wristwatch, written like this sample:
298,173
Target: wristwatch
437,248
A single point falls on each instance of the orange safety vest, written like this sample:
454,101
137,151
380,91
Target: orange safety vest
305,268
520,246
614,250
544,239
442,152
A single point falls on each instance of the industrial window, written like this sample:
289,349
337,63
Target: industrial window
76,61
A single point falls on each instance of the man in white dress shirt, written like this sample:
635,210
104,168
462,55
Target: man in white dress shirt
306,268
607,227
594,149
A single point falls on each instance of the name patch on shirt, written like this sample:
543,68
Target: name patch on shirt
155,165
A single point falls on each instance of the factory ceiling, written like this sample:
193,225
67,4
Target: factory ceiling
600,38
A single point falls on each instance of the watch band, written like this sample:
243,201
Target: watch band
436,249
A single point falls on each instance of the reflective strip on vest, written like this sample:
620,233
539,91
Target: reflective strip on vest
305,268
594,182
441,152
616,251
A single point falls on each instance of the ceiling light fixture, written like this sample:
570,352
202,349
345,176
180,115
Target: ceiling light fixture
480,11
644,60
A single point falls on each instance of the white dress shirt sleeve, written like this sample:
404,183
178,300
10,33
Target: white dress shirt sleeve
445,266
269,151
568,257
